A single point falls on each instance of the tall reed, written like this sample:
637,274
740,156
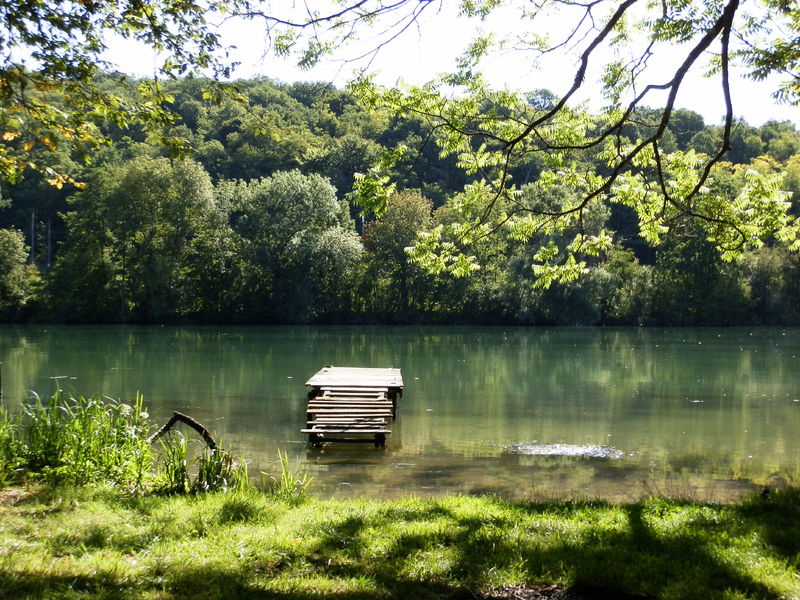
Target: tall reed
218,470
10,447
173,465
212,469
76,440
291,485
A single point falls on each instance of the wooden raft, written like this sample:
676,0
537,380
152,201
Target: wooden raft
352,404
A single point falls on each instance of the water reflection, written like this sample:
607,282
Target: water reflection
703,412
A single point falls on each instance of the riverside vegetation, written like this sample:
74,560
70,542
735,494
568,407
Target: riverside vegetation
82,441
89,510
258,225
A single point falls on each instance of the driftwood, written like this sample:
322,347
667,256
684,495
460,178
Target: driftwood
198,427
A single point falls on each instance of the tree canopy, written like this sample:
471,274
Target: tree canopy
51,97
155,239
54,51
532,189
491,131
52,67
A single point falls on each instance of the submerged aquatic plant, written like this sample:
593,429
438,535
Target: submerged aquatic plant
290,486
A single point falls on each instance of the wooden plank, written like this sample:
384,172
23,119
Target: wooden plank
352,440
376,396
365,412
334,408
364,427
340,415
364,394
356,377
375,401
356,380
317,413
345,418
347,431
322,432
354,397
349,419
346,422
371,392
350,409
354,387
340,401
375,404
352,418
336,399
336,405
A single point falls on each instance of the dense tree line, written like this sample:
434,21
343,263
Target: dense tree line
254,224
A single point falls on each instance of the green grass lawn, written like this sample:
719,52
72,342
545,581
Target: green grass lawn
96,543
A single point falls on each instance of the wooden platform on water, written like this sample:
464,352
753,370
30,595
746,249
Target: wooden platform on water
352,404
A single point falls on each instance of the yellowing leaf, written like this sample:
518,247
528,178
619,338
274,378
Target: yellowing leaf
10,135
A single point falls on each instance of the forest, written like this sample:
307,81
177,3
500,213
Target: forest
241,210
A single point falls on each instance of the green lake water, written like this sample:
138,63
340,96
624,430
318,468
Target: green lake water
529,413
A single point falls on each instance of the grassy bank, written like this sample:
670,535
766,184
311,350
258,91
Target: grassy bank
95,543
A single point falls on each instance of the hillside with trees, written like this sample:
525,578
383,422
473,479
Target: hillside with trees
249,215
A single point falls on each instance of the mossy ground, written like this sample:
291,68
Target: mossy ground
95,543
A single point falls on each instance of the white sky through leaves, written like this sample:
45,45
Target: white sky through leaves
430,47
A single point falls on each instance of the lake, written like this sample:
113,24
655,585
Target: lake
526,413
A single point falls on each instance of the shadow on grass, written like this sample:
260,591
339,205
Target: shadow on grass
457,548
190,583
636,558
775,517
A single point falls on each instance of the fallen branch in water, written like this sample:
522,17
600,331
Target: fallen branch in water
197,426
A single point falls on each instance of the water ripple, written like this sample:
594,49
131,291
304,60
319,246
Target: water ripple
583,451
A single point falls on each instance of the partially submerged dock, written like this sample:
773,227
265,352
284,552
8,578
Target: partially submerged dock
352,404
